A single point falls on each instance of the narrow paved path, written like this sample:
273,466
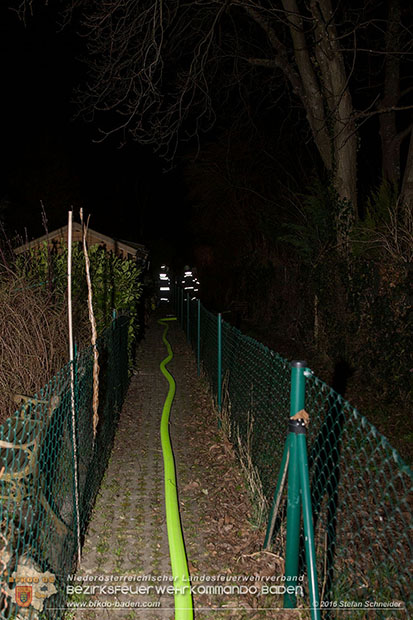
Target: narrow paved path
126,543
127,534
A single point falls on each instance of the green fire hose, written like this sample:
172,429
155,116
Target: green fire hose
183,598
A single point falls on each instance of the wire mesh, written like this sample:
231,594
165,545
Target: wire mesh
256,393
361,489
362,498
208,346
37,476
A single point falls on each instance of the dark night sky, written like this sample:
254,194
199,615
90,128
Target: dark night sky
51,158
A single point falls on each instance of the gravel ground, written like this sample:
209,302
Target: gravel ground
127,539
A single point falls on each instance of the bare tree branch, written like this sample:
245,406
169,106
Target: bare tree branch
393,108
160,72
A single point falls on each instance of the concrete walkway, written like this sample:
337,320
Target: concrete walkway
127,542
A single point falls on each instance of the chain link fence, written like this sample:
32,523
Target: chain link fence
50,473
361,490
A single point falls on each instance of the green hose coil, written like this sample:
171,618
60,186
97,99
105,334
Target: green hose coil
183,597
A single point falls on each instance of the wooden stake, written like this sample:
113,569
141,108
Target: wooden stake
93,327
72,380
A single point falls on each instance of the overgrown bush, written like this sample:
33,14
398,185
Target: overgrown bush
305,298
33,339
364,317
116,281
33,313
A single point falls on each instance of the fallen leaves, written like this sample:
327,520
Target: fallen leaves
224,541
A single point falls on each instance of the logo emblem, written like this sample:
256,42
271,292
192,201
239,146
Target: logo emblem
24,595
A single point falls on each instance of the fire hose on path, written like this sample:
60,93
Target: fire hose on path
182,596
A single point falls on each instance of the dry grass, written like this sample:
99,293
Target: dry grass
252,477
219,515
250,471
33,339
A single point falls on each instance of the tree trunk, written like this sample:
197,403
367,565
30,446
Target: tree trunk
390,140
339,118
318,77
345,172
406,195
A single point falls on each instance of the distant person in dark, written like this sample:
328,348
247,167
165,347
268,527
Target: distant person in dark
190,282
164,285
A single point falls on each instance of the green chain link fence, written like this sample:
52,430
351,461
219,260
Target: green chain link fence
361,490
39,525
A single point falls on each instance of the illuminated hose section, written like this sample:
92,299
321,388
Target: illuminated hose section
183,598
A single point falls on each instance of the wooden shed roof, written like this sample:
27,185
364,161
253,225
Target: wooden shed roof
118,246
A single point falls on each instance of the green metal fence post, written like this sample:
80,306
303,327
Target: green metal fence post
182,308
293,523
177,299
308,524
297,386
187,317
198,339
219,364
178,304
297,396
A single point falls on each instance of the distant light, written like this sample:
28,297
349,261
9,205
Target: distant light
164,288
